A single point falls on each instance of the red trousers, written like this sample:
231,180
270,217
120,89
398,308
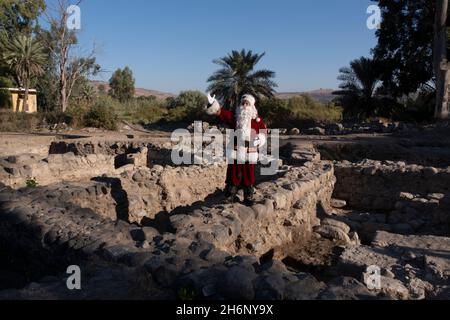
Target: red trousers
241,175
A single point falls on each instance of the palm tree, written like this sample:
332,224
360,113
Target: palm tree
360,85
25,57
237,77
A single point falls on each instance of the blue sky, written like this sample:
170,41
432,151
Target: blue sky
170,44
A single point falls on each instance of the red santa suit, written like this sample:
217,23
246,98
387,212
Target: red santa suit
241,167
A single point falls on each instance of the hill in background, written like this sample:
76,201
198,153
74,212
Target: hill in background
139,92
321,95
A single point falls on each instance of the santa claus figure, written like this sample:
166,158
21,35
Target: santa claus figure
242,151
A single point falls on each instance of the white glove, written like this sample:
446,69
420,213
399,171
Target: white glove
213,107
260,140
211,100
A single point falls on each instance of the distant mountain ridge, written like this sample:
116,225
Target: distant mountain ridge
139,92
321,95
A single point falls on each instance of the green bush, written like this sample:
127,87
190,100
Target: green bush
101,116
5,95
306,108
296,110
31,183
18,122
140,110
186,107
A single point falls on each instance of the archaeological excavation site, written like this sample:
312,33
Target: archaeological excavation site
362,216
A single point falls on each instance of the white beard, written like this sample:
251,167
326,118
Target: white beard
244,117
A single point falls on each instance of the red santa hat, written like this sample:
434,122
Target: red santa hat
248,97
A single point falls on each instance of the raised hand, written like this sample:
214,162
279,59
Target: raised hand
213,107
211,100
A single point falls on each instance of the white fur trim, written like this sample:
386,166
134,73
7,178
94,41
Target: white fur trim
262,139
241,155
253,158
214,109
248,97
258,119
231,155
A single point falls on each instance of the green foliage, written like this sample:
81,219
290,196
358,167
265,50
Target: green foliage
102,89
405,44
18,122
140,110
305,108
237,77
101,116
274,111
19,15
187,293
417,107
122,85
5,95
294,111
360,87
193,100
31,183
186,107
25,58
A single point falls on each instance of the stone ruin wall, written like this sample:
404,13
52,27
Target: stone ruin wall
287,208
409,199
373,185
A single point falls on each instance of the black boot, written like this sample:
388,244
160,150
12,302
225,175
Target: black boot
249,196
231,193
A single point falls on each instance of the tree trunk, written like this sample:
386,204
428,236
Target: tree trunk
63,95
441,66
25,99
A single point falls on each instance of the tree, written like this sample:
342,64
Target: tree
122,85
359,88
66,65
25,57
441,66
191,99
237,77
101,89
5,95
18,16
405,45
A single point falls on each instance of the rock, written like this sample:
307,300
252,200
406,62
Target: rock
387,273
335,223
335,128
406,196
261,211
393,289
137,234
306,288
419,289
317,131
238,284
294,132
216,256
117,253
430,171
436,196
149,233
338,204
346,288
244,213
333,233
402,228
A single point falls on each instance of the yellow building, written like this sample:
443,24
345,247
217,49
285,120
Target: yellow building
17,99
